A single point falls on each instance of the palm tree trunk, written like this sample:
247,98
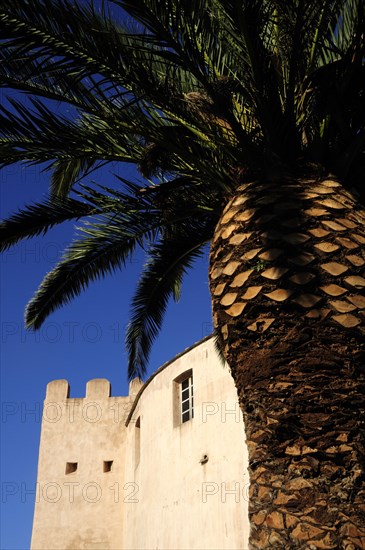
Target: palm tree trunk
287,281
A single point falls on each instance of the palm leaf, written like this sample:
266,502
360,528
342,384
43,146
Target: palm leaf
37,219
160,280
106,248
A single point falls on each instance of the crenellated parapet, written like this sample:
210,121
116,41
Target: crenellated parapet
97,407
96,389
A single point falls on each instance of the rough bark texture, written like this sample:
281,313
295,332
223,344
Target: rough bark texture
287,280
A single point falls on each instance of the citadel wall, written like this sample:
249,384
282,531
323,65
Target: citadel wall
130,473
191,477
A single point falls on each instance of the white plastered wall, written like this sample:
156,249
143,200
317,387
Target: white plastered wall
178,502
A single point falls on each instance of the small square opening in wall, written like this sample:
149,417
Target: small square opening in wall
107,467
71,467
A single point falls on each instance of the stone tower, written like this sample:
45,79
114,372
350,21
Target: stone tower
80,468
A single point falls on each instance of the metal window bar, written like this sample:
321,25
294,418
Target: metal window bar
187,399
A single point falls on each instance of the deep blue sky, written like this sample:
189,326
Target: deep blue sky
82,341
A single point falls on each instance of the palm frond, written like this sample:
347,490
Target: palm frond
37,219
121,224
105,247
160,280
36,135
51,34
176,29
66,172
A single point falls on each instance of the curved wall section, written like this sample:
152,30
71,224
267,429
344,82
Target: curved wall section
188,479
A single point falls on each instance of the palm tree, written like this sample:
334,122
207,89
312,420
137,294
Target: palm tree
247,121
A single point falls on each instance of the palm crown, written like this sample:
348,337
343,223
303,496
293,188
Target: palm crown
199,95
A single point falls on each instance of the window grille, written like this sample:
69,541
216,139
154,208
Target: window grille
187,399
